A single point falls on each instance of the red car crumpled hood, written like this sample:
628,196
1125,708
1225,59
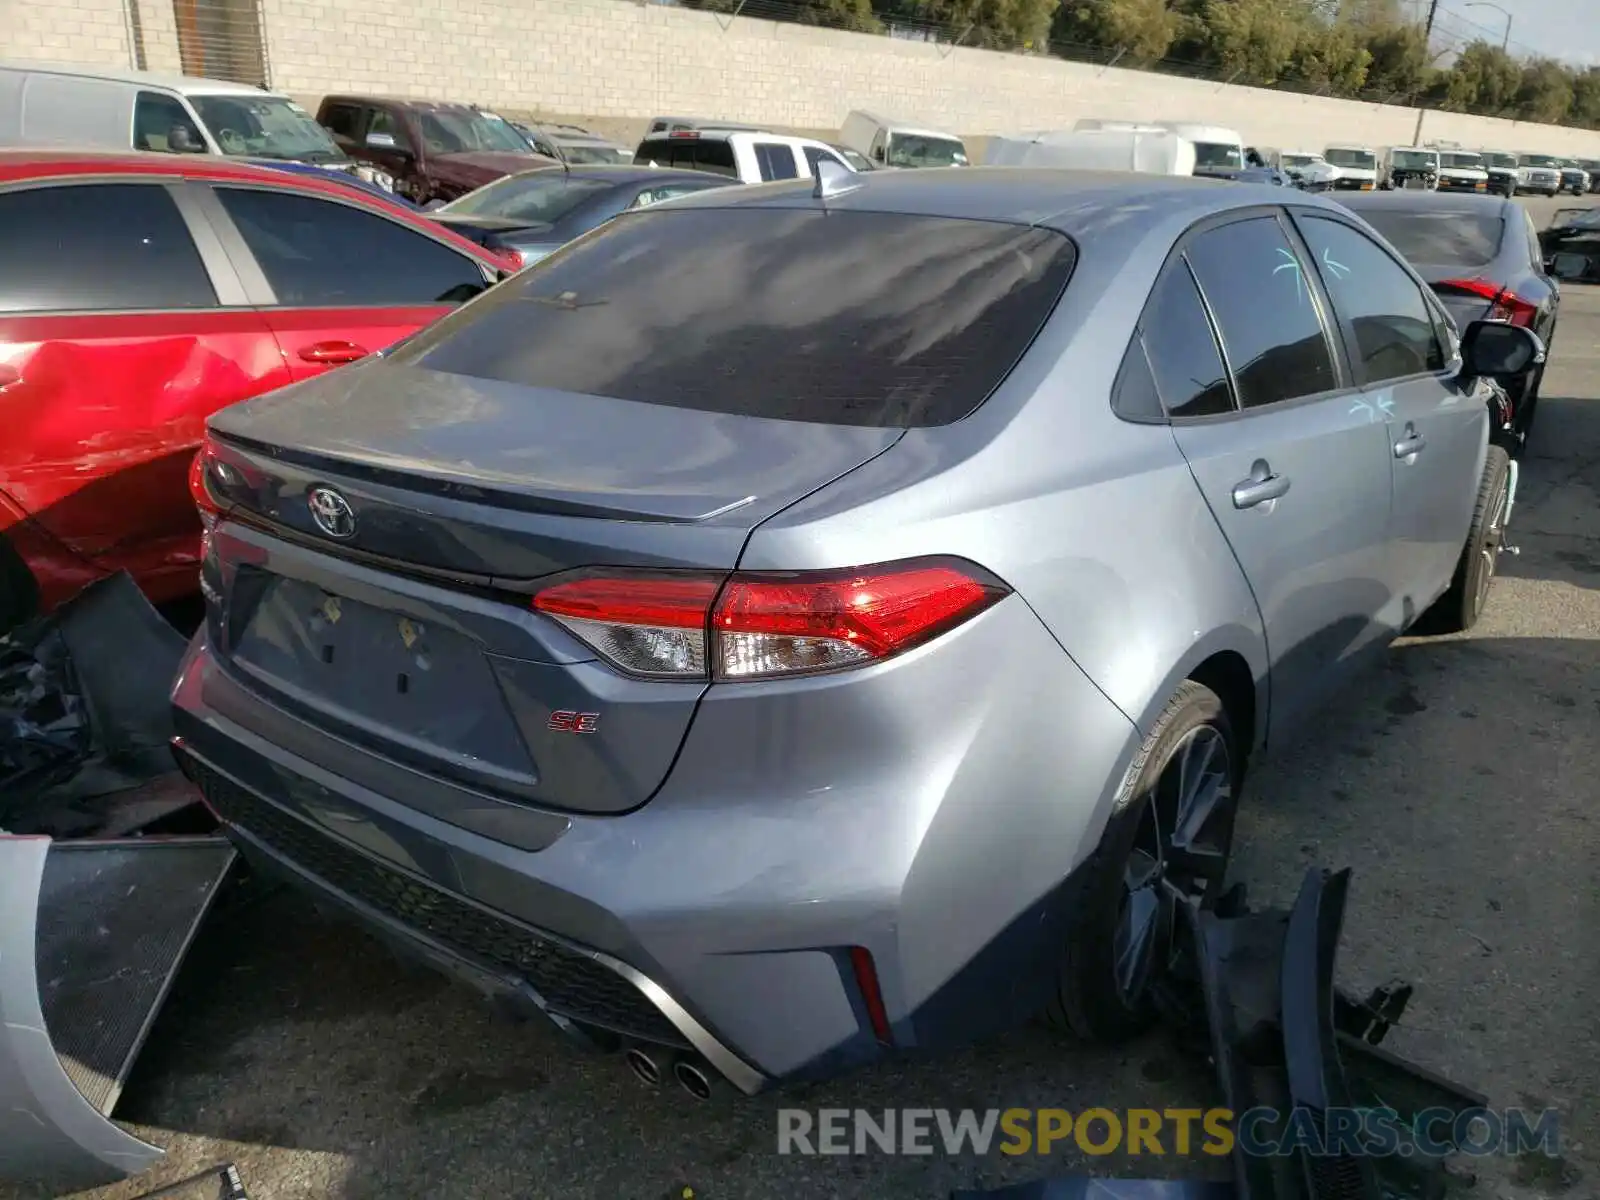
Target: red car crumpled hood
480,166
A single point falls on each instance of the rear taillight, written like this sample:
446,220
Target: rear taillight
514,260
766,625
1505,305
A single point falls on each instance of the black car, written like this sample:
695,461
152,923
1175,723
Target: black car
1571,245
1482,256
536,212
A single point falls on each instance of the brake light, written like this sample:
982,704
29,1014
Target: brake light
684,133
513,259
866,973
1505,305
767,625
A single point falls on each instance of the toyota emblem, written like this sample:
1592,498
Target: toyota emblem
332,513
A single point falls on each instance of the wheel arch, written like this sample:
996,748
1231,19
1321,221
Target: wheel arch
1232,662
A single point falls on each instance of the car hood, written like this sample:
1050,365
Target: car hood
481,166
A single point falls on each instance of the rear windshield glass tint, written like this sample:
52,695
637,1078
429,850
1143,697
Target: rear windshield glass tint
1441,237
843,318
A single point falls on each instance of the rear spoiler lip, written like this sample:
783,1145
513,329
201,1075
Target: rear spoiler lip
66,1144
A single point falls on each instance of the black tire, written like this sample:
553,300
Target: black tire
1459,608
1088,1000
19,591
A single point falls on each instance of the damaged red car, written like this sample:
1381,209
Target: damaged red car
139,294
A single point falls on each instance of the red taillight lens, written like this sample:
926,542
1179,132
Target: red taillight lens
866,973
1506,305
765,626
514,260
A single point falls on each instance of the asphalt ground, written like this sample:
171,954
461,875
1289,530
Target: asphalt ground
1458,782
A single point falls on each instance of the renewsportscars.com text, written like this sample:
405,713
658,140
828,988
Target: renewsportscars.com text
1214,1132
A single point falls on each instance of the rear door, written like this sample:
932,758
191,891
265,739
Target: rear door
337,281
1410,383
1295,472
119,336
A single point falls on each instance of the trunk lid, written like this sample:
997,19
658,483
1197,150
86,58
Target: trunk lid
407,634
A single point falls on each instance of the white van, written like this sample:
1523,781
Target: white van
1145,151
739,154
1358,167
1462,171
889,143
1217,150
1313,170
46,104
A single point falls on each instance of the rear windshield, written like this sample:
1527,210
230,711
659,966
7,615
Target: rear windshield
1217,154
1440,236
842,318
694,154
543,196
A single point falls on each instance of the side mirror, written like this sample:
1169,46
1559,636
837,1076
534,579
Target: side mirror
382,141
1568,266
1496,349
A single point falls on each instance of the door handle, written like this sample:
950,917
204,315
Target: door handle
9,375
1263,485
333,353
1412,443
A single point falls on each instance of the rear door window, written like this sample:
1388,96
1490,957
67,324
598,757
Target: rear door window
775,160
98,247
321,254
1384,308
1269,318
846,318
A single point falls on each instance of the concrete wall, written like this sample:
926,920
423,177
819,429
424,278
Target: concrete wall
614,63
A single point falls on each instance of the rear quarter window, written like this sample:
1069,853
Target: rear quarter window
844,318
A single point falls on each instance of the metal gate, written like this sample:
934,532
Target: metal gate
214,39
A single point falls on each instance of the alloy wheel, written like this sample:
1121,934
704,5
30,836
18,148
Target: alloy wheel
1179,852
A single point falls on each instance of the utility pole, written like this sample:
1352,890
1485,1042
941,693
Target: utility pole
1433,11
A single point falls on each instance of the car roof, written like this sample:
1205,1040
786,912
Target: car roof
1107,203
625,173
22,165
400,102
189,85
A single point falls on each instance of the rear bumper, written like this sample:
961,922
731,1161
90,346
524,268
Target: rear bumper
719,919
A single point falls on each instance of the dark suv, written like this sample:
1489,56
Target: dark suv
434,151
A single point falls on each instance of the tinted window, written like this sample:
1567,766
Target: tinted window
155,117
776,161
384,121
1183,353
342,119
715,156
1439,236
106,246
1394,327
318,252
1134,396
851,318
814,156
532,196
1265,311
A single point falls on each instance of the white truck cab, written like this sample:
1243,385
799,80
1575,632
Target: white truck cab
1217,150
750,157
890,143
1539,173
56,104
1308,166
1410,167
1358,167
1462,171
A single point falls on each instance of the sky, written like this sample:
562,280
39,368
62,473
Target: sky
1564,29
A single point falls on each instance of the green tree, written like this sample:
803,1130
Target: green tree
1484,80
1142,29
1586,99
1332,58
1544,93
1399,65
994,24
1248,41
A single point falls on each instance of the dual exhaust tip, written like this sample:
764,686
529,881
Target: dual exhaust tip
691,1075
